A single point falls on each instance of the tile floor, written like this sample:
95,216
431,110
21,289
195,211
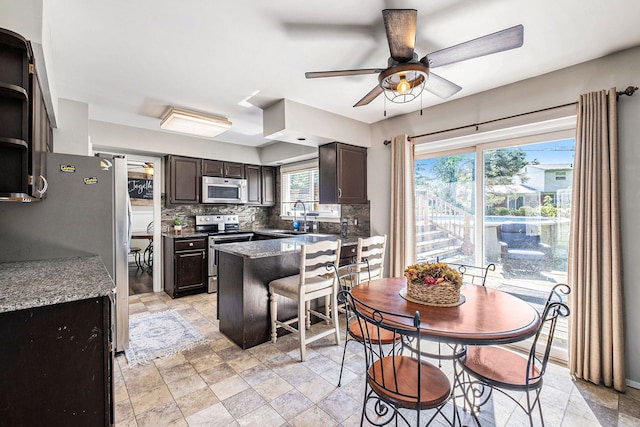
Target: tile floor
218,384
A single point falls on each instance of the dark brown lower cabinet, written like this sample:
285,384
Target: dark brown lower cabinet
56,365
185,265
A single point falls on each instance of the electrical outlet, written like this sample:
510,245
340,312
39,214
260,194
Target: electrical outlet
355,221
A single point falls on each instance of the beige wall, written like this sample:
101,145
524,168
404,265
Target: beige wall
557,88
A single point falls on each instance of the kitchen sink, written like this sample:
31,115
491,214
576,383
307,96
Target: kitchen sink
295,233
290,232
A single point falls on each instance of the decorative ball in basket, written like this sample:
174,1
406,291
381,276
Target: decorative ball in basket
433,284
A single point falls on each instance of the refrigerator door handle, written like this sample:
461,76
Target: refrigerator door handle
45,186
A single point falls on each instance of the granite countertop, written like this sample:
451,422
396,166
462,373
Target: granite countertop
275,247
185,234
28,284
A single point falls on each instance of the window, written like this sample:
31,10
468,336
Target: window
505,202
300,182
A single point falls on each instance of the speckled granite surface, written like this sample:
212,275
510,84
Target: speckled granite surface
29,284
274,247
185,234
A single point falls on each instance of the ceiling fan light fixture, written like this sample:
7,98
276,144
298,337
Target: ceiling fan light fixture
194,123
404,83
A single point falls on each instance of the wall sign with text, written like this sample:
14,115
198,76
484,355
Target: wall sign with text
140,188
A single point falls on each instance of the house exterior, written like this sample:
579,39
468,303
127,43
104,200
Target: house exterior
549,179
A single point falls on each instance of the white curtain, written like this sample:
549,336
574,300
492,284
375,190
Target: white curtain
402,235
596,339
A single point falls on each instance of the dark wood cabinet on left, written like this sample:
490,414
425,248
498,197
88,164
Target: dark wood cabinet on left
56,365
25,129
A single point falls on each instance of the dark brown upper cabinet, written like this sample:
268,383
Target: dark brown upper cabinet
184,180
25,130
254,184
261,185
222,169
268,174
342,174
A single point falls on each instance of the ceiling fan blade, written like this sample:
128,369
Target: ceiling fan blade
441,87
500,41
373,94
400,25
338,73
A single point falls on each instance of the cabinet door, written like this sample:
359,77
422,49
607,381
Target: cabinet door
57,366
342,173
184,180
268,185
233,170
252,173
352,174
190,270
212,168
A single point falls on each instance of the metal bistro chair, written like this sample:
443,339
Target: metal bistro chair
148,252
497,368
471,275
396,381
313,281
136,257
349,276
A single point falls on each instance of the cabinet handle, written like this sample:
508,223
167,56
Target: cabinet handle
203,255
339,192
190,243
45,186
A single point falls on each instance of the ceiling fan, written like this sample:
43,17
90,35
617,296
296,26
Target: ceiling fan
405,72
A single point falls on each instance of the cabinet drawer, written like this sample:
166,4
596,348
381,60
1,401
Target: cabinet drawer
185,245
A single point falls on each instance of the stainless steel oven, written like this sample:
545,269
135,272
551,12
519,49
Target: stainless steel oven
222,229
215,240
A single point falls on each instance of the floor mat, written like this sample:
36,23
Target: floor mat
159,334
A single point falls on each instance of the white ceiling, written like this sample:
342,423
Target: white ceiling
130,60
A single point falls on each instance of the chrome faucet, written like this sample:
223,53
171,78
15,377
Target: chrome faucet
295,214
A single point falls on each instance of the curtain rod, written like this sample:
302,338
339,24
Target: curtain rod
629,91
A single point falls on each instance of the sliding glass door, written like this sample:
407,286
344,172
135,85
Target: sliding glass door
515,215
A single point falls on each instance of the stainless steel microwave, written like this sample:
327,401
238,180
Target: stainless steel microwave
224,190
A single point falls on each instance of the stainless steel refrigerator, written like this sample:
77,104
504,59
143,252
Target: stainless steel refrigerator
85,211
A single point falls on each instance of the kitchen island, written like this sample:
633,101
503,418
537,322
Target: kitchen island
55,354
244,272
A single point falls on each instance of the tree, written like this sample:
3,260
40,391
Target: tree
500,168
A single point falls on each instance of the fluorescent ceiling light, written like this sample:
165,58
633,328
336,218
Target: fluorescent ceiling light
194,123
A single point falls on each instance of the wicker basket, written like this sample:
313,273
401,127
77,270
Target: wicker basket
443,293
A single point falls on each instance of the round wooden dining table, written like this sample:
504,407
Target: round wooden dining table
487,316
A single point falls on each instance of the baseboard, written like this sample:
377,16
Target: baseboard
633,384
